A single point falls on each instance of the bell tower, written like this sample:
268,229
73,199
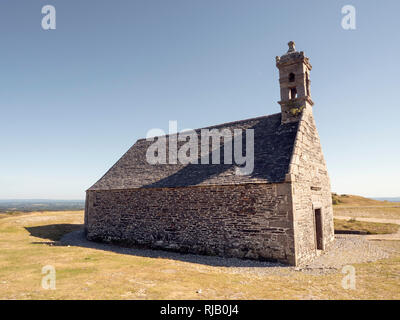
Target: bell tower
294,79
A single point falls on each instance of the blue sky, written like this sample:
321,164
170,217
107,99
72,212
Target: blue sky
74,99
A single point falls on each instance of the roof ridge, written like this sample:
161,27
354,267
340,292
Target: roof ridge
220,124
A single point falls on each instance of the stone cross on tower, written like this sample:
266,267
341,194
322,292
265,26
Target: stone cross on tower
292,47
294,79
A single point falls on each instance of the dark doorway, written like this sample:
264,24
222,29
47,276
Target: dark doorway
318,229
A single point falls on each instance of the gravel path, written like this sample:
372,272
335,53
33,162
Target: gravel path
347,249
350,249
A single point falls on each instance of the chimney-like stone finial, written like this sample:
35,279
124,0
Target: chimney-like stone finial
292,47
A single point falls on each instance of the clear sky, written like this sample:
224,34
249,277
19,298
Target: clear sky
74,99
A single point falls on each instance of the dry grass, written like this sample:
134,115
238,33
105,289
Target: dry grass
365,227
356,206
358,201
368,212
84,273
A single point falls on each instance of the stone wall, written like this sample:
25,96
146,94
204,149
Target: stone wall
252,221
310,190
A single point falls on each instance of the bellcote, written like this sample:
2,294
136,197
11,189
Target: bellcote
294,80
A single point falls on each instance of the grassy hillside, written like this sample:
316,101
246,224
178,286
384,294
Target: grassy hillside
11,206
352,200
357,206
365,227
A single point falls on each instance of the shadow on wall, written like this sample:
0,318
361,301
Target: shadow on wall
73,235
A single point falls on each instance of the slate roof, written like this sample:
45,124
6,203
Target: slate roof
273,147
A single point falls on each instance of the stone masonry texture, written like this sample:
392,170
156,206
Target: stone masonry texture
247,221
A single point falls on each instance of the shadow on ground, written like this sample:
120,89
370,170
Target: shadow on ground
53,232
73,235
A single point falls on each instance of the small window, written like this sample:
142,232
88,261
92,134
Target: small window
293,93
307,84
291,77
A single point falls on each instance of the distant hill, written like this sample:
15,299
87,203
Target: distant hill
353,200
29,205
40,205
390,199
